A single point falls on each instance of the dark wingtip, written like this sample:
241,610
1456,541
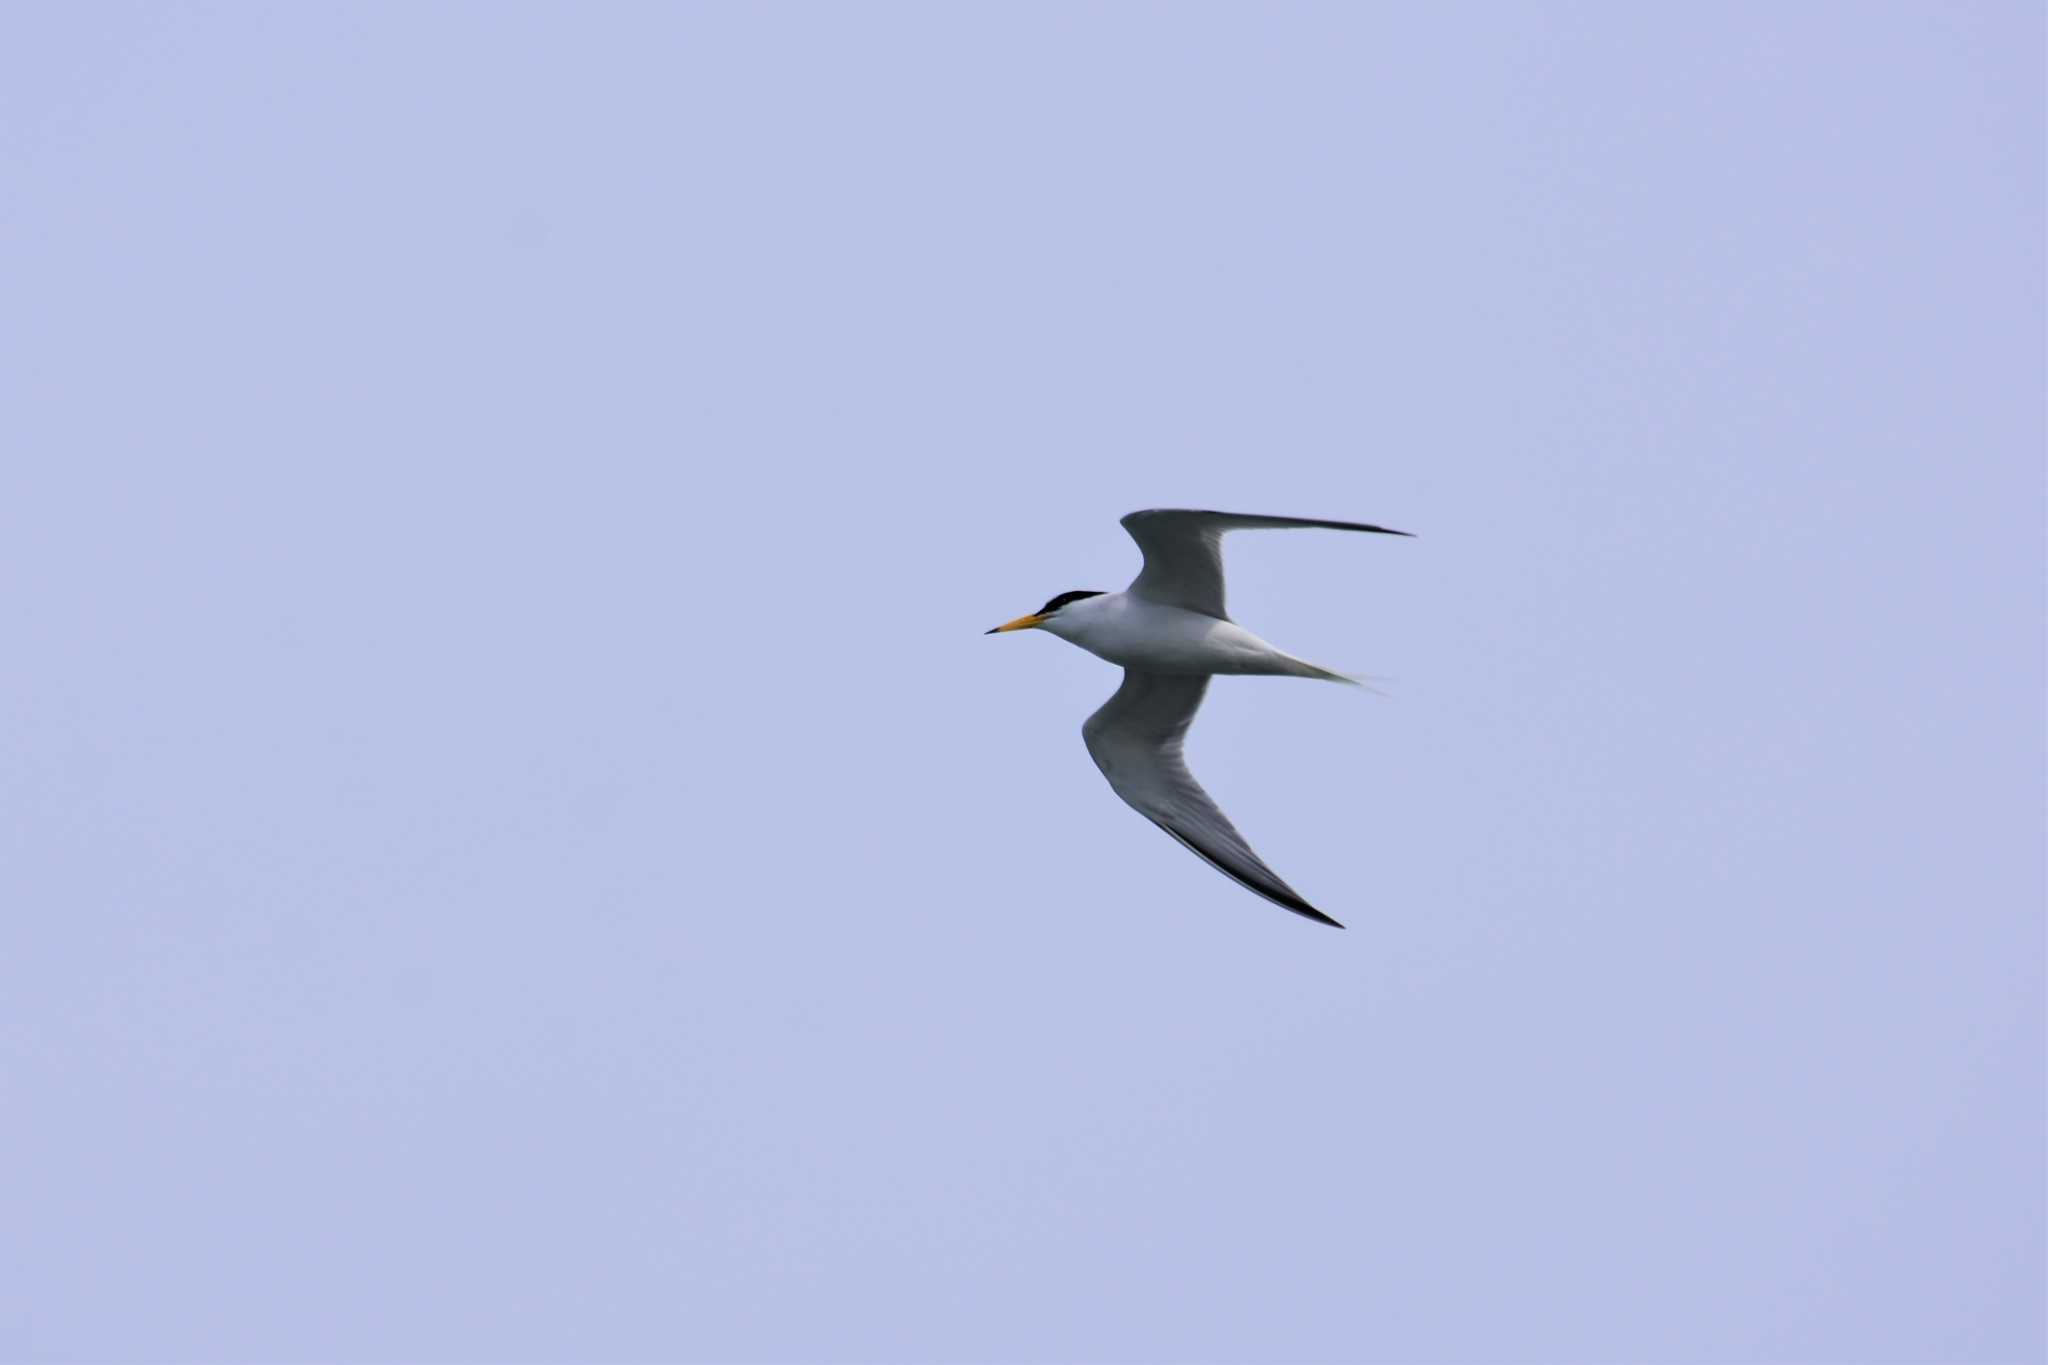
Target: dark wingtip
1361,526
1302,908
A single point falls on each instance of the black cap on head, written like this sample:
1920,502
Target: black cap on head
1063,599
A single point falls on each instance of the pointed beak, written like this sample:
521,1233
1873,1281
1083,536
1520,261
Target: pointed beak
1021,623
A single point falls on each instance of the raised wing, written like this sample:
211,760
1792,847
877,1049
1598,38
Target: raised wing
1184,551
1135,738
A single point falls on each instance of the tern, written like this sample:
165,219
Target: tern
1170,633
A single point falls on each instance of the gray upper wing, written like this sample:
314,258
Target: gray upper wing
1184,551
1135,738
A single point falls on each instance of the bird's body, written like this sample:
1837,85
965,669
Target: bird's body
1153,638
1171,634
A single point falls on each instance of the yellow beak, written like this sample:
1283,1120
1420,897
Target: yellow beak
1021,623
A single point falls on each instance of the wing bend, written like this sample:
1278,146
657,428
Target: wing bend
1183,551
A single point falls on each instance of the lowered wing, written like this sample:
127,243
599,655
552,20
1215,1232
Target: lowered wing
1135,738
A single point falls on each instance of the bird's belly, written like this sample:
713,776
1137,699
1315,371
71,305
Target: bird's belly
1169,640
1154,656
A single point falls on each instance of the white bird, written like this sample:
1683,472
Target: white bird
1171,634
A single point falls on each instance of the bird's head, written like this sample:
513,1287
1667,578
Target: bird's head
1061,608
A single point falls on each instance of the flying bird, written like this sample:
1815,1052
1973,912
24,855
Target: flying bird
1170,633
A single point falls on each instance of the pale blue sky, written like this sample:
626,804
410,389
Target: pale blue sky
515,847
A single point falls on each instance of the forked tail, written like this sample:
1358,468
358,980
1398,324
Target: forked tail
1305,669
